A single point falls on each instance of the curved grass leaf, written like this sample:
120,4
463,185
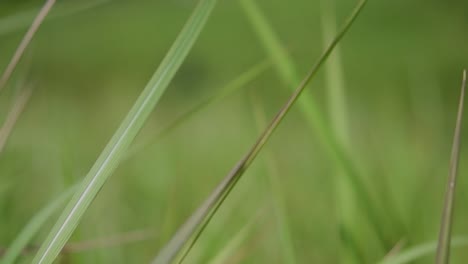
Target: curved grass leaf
195,225
34,225
417,252
117,146
443,247
335,146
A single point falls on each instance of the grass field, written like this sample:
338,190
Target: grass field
357,169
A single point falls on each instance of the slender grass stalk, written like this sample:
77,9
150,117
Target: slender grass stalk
276,191
287,71
234,85
336,94
25,42
412,254
34,225
19,21
336,90
197,222
117,146
443,246
13,115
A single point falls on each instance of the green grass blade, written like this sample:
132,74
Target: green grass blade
34,225
278,54
234,85
333,144
115,149
22,20
345,197
419,251
335,78
25,42
201,217
443,247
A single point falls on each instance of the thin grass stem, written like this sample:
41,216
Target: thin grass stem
333,144
25,42
445,233
195,225
13,116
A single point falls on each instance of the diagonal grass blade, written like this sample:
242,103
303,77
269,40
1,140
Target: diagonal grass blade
201,217
117,146
333,143
443,247
25,42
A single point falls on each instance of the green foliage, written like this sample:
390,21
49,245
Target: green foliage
386,136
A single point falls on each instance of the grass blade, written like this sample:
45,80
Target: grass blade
34,225
201,217
443,246
419,251
348,215
25,42
333,143
335,77
115,149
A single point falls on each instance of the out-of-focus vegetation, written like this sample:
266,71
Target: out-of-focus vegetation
401,62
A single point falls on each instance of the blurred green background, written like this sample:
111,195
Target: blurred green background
402,64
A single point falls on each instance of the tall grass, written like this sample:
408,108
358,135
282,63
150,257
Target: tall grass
351,189
358,211
190,231
117,146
